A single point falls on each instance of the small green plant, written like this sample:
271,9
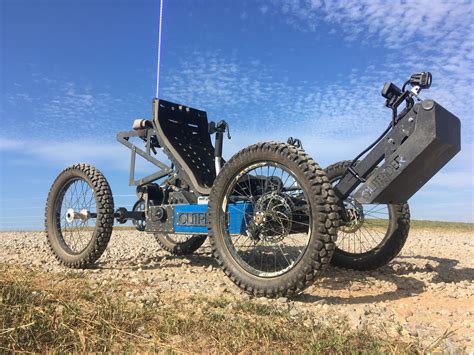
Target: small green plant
42,312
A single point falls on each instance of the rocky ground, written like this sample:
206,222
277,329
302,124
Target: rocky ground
425,294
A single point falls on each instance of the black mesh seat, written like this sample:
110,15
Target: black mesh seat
183,132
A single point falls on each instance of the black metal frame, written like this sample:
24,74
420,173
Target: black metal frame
122,214
390,140
150,136
438,146
123,138
421,140
351,180
389,144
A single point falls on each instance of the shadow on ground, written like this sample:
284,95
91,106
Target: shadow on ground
400,273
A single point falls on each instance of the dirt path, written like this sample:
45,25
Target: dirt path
425,293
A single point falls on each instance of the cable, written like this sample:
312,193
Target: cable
159,51
405,84
372,145
349,168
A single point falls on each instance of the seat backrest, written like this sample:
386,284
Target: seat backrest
184,134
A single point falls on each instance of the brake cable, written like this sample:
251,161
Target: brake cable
350,168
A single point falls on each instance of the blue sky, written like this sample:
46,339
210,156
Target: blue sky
73,73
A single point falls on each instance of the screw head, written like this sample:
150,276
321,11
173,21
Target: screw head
427,104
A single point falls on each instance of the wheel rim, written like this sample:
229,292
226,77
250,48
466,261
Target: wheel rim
366,229
277,219
76,209
140,224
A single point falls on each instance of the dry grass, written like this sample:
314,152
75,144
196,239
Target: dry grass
414,224
41,312
451,226
431,225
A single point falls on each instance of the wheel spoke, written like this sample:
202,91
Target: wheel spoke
79,196
364,234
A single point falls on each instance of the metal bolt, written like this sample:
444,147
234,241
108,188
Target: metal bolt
390,140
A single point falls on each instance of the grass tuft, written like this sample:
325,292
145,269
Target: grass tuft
41,312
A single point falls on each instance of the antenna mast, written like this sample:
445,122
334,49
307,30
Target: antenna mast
159,51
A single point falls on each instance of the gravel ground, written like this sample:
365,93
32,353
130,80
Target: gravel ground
425,292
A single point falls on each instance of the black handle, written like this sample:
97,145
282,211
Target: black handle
219,128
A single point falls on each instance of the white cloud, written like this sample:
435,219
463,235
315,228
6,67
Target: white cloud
57,109
10,144
246,92
457,179
419,35
335,122
392,23
249,96
109,155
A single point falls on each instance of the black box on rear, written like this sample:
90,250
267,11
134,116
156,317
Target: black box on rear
432,138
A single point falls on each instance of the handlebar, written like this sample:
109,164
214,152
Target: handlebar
395,96
219,129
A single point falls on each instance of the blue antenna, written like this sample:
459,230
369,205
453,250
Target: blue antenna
159,51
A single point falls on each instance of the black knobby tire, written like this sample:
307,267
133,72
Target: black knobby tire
324,220
391,242
170,243
96,236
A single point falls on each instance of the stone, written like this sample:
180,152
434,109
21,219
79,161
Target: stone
294,312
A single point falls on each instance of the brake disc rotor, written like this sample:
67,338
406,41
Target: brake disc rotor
355,216
273,217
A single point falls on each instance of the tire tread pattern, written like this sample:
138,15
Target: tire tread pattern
180,248
392,244
104,223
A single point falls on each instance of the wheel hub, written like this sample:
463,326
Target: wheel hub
259,218
272,220
71,215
